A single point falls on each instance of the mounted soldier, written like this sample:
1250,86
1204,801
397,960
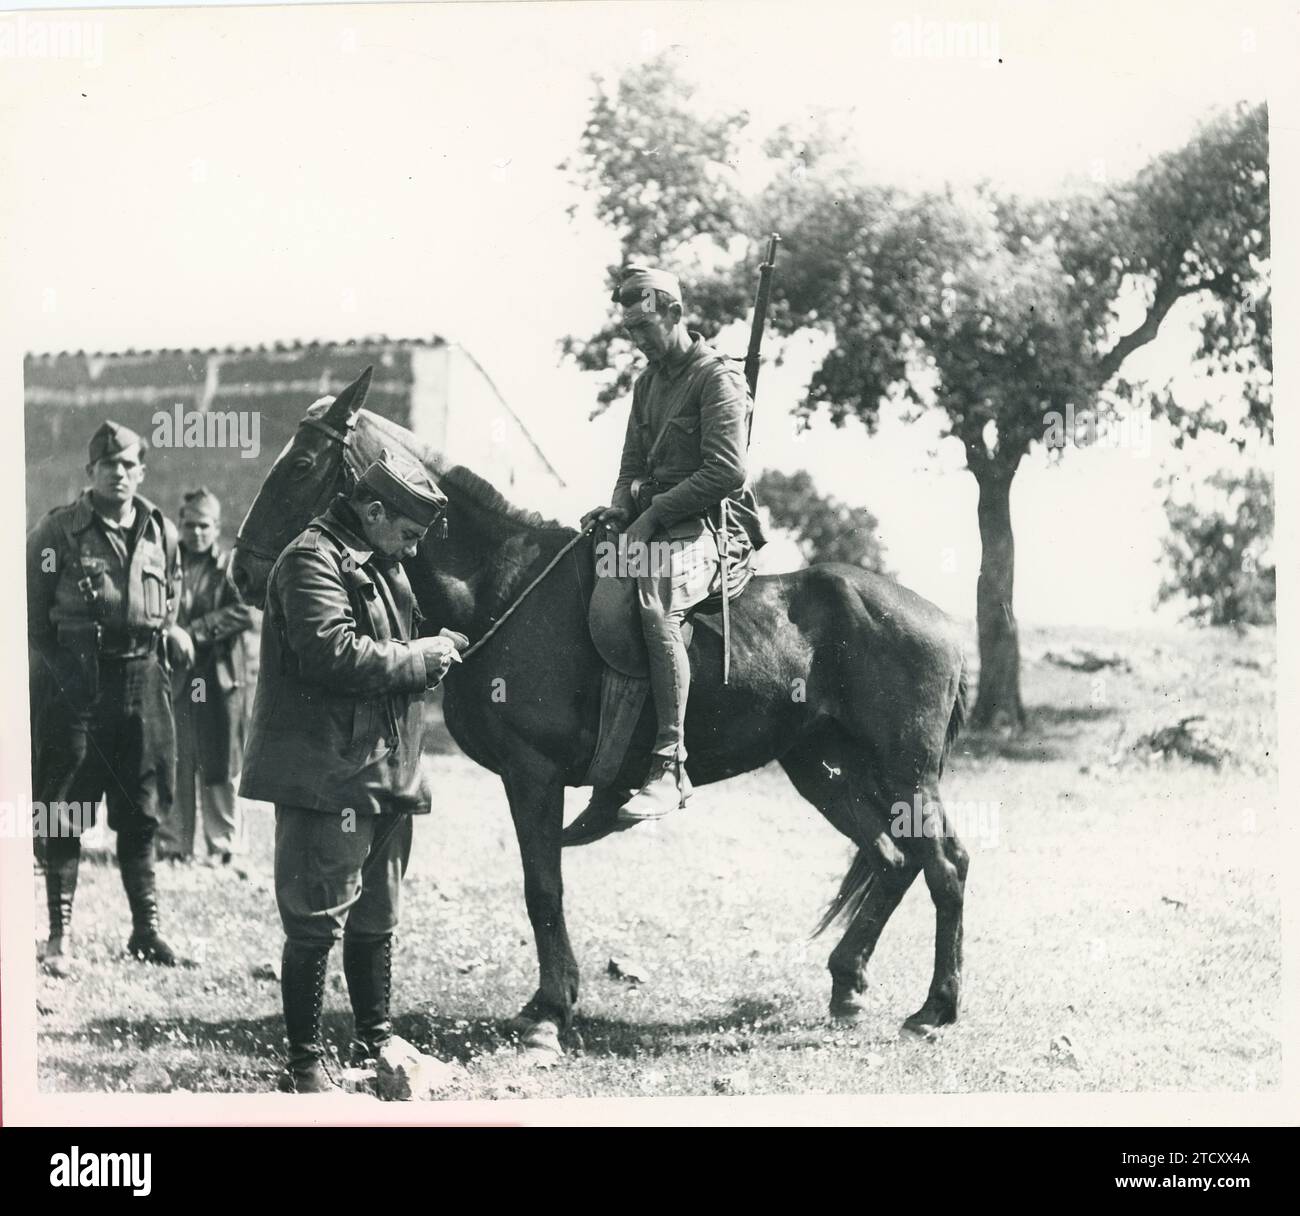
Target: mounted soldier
103,589
335,744
682,496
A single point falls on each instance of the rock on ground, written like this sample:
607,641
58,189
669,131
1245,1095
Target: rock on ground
403,1073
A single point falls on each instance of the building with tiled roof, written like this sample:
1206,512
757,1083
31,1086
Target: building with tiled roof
435,388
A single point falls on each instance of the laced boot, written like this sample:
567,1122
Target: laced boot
135,859
302,988
62,860
368,969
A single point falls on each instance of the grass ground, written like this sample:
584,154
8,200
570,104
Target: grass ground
1129,906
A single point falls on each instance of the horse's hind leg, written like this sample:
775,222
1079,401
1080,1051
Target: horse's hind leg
944,862
833,772
886,885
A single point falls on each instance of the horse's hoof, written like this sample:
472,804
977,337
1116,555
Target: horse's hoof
540,1045
847,1012
925,1031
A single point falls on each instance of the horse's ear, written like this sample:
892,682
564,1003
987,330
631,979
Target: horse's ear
349,401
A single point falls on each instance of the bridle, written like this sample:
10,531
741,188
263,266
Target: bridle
349,476
346,472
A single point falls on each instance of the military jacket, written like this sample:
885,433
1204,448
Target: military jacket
338,714
77,575
221,626
702,458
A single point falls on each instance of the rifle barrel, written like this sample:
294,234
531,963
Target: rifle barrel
761,298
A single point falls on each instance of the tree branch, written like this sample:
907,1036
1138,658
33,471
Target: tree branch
1165,298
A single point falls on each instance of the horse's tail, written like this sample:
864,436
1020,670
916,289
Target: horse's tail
853,891
957,719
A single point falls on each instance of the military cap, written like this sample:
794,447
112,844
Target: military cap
406,487
636,291
113,438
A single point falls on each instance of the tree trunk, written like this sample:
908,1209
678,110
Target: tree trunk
998,700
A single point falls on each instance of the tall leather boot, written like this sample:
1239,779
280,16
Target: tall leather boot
135,859
368,968
62,861
302,988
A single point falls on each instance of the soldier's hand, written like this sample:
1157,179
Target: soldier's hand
607,515
180,647
239,617
459,640
438,654
643,528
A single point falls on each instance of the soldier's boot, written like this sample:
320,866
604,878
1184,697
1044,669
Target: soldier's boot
135,859
666,789
598,819
302,988
368,969
62,861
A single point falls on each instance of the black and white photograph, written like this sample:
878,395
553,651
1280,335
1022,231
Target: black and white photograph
646,563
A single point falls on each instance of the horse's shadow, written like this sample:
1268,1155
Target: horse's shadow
253,1055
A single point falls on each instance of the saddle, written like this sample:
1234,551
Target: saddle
614,621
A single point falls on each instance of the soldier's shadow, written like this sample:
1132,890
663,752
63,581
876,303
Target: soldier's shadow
247,1054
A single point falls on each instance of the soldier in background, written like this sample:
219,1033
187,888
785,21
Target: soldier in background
210,699
103,589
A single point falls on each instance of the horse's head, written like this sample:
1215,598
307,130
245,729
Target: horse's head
316,464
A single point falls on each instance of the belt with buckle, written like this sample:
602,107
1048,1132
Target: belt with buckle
120,643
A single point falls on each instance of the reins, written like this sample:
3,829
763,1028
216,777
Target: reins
519,599
343,439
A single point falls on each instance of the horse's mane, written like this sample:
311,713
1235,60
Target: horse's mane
481,492
486,496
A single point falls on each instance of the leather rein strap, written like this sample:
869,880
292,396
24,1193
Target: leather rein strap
344,440
519,599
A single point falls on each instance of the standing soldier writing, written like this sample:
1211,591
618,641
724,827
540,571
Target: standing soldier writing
335,744
210,699
103,586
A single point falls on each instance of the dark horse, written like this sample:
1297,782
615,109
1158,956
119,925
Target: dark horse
853,683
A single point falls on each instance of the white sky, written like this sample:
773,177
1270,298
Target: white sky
251,175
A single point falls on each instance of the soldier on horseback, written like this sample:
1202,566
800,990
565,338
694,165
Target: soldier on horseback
684,453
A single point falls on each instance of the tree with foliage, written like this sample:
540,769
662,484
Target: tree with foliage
825,529
1220,556
1000,312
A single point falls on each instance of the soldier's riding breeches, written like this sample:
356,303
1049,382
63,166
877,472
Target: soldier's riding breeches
665,596
337,873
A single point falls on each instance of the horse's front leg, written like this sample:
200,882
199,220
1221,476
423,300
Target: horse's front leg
535,788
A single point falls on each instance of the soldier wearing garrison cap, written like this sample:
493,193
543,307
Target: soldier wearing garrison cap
103,586
684,452
210,700
335,744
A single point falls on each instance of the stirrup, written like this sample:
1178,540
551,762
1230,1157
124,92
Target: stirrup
598,819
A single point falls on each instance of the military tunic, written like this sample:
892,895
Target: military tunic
100,596
336,731
210,700
700,404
